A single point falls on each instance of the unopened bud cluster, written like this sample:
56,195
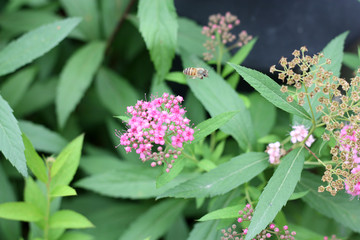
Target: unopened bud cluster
268,233
218,32
157,130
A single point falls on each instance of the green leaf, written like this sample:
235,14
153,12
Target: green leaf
34,44
135,183
115,92
224,213
207,165
11,143
69,219
76,235
44,139
66,164
37,97
74,80
20,211
88,11
112,11
166,177
121,213
34,195
222,179
179,230
351,60
177,77
159,27
298,195
94,164
339,207
34,161
218,97
239,57
205,231
62,191
334,50
15,86
26,20
277,192
156,221
9,229
261,109
190,38
125,119
207,127
270,90
194,110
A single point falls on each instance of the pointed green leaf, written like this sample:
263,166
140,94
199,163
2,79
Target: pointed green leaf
224,213
11,143
44,139
66,164
270,90
115,92
34,161
298,195
111,12
34,195
156,221
207,127
15,86
74,80
62,191
34,44
218,97
9,229
177,77
222,179
20,211
69,219
340,207
76,235
37,97
159,27
88,11
176,169
351,60
205,231
190,38
277,192
137,183
239,57
261,109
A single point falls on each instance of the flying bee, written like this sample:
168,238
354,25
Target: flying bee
196,72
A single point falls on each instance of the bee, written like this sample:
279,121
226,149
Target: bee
196,72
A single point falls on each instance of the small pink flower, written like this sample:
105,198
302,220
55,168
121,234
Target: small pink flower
153,122
274,151
240,220
299,133
285,227
272,226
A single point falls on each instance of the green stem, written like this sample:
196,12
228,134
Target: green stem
48,202
221,52
247,195
318,163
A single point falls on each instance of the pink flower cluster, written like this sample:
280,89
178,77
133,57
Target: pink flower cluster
349,144
267,233
155,124
275,152
299,133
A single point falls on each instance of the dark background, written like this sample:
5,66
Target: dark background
282,26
